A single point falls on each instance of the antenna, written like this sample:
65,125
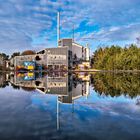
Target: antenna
58,27
73,33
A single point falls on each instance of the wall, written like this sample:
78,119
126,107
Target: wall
57,56
77,49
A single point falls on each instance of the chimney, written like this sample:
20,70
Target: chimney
58,27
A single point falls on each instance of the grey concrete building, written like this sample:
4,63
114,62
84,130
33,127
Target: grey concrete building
77,53
80,51
55,58
67,55
20,61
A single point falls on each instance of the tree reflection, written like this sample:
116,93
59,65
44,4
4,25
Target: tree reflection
3,82
15,87
111,84
107,84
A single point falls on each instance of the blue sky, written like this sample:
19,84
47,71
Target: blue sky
31,24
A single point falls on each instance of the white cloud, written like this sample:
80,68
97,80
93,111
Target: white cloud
118,33
22,20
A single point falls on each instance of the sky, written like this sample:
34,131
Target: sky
31,24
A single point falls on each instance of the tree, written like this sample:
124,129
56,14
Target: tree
28,52
4,56
117,58
15,54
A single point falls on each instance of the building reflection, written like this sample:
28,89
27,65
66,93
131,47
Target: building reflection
68,87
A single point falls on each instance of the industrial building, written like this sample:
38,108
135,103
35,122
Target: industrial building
78,54
55,58
78,51
67,55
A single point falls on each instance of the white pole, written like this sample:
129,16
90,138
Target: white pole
73,32
58,27
57,114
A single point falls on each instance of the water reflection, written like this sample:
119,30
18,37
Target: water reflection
111,84
69,87
78,105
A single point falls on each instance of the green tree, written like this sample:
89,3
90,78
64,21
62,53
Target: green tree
15,54
117,58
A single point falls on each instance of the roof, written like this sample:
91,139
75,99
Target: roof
77,44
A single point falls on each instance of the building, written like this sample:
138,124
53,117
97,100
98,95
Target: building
29,62
55,58
68,55
78,54
77,50
48,59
